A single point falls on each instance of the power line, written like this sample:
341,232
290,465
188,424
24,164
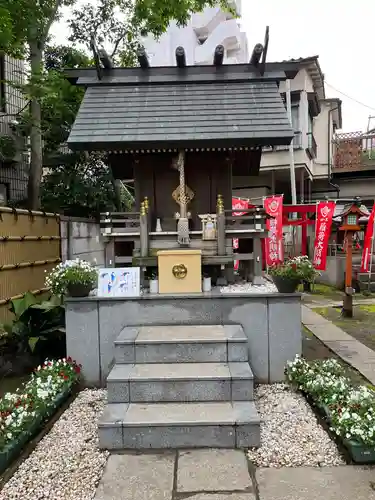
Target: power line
349,97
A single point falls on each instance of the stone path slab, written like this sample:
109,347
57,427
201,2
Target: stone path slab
196,474
328,483
350,350
213,474
137,477
220,496
213,471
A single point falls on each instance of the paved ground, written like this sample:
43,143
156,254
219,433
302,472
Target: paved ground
350,350
226,475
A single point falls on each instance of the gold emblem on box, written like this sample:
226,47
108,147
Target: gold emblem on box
179,271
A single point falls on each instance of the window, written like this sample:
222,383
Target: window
295,125
2,84
295,118
310,131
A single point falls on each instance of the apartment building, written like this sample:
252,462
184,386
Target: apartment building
13,157
315,120
202,34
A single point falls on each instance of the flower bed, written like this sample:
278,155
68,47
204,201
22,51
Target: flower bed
348,409
22,413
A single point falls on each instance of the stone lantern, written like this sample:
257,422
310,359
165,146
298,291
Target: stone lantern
350,216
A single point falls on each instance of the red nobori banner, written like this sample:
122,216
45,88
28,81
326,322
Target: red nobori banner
367,245
274,243
324,215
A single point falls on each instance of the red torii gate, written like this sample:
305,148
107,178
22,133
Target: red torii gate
304,221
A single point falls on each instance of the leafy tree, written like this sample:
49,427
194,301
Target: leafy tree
24,30
81,186
59,108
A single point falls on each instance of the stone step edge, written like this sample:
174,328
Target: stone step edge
237,340
240,337
195,376
243,412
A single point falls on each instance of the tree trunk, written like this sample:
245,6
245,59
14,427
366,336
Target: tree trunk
36,146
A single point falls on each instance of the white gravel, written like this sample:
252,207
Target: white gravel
67,464
290,433
266,287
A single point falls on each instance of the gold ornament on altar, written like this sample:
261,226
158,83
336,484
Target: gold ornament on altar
189,195
179,271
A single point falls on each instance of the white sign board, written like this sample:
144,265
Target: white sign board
119,282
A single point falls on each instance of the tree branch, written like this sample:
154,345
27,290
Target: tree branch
117,43
50,22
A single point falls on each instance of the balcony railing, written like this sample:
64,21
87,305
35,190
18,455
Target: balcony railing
351,155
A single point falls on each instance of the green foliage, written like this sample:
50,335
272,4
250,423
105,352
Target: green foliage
8,147
81,187
117,24
36,321
299,268
73,272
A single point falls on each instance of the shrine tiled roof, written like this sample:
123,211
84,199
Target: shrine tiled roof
192,107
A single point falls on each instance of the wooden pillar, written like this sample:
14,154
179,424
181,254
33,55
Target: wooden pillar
110,253
347,309
144,235
221,250
304,235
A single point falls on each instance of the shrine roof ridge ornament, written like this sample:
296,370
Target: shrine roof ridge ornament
219,106
257,70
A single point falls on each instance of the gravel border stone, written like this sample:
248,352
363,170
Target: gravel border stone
291,435
67,463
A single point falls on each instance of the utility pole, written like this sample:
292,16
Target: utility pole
293,188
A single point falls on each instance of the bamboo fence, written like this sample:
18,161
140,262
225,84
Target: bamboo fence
29,247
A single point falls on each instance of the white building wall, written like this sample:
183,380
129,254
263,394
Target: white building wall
199,38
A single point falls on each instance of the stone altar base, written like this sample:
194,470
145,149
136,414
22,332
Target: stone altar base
271,323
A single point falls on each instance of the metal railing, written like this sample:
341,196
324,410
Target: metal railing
119,222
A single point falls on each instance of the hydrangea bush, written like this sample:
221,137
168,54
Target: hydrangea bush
18,411
75,272
351,409
298,268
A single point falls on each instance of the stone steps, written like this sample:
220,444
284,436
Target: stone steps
181,344
179,425
180,386
180,382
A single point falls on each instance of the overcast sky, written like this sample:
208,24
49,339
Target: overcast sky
339,31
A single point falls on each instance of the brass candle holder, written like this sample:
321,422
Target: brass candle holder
146,204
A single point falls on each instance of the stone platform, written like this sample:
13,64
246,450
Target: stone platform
180,387
271,324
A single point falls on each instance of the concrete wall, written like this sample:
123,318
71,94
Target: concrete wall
271,322
80,238
334,274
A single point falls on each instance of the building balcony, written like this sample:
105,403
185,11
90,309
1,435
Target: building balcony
297,144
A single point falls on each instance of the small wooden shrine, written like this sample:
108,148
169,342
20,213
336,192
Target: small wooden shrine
181,133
